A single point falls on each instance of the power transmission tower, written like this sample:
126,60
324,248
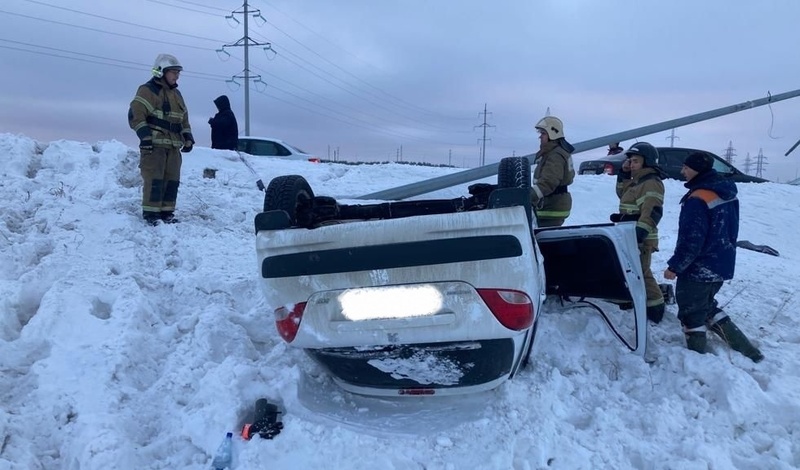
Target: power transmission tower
672,138
730,152
246,41
484,139
748,163
761,162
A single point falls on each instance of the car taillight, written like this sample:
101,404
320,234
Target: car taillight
608,169
513,309
288,321
314,160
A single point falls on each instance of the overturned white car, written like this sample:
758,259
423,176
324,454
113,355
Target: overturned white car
432,296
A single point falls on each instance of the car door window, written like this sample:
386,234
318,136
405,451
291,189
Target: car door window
722,166
265,148
281,151
672,161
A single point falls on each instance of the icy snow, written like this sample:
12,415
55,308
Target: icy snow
128,346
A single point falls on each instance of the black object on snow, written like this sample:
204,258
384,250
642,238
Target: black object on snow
265,423
760,248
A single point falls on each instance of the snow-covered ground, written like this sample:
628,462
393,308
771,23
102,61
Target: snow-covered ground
128,346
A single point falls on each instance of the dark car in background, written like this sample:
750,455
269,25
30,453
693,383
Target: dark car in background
670,159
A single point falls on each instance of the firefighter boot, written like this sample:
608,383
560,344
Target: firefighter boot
655,313
733,336
697,341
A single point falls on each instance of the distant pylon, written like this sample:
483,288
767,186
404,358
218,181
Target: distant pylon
245,41
672,138
730,153
761,162
748,163
484,139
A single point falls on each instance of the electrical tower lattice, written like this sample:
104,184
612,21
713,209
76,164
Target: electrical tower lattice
246,41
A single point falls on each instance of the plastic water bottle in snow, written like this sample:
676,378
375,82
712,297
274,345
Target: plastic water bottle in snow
224,455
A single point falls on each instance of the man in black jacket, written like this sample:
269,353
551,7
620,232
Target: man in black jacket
224,129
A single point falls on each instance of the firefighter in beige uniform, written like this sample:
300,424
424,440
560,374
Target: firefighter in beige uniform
554,171
160,119
641,200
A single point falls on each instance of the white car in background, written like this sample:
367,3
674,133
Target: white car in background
267,147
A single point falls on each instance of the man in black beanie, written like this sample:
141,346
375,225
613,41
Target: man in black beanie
705,256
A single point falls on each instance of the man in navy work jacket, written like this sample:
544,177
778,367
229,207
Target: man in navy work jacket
705,256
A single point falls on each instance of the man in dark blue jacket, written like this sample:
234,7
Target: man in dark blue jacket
224,129
705,256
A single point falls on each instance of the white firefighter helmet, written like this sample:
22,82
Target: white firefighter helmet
164,62
552,125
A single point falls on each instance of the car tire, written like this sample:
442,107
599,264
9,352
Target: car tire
514,172
293,195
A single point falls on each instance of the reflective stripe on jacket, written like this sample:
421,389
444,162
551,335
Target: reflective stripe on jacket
643,196
553,173
159,113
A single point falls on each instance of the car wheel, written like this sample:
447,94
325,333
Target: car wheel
514,172
293,195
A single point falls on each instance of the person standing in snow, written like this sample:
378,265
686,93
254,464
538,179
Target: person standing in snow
641,199
224,129
614,149
705,256
554,172
160,119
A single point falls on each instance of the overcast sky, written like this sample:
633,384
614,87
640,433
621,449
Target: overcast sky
369,77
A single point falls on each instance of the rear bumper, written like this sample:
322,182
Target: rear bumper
446,368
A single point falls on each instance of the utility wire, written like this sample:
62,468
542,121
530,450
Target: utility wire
189,9
108,61
131,36
313,65
404,102
155,41
209,39
101,60
204,6
364,98
366,124
138,66
124,22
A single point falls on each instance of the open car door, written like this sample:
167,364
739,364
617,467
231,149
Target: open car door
599,262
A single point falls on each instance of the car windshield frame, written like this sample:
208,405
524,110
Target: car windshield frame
293,148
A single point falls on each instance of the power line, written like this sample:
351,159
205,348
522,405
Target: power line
189,9
101,60
382,104
123,22
404,102
171,43
355,95
132,65
252,41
